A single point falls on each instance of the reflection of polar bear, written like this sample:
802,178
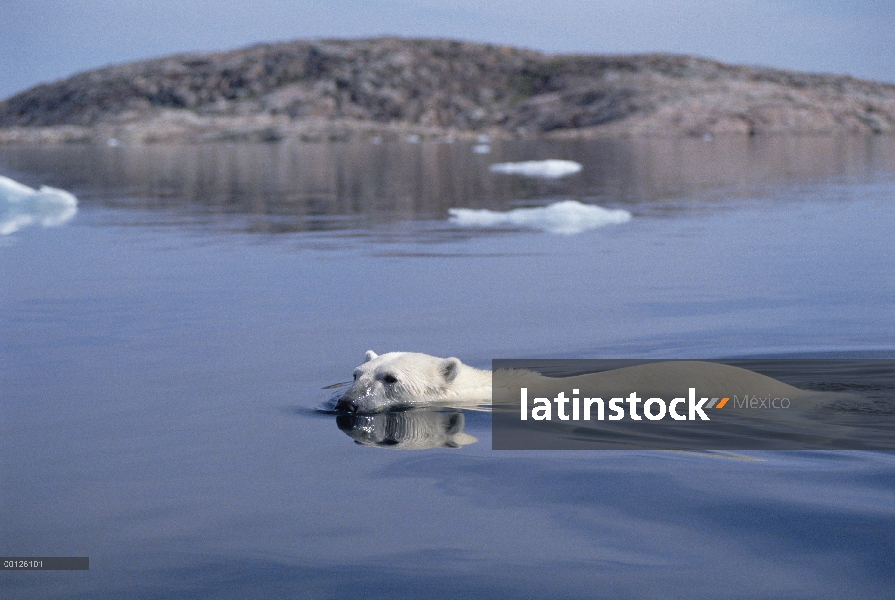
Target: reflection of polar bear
404,379
414,429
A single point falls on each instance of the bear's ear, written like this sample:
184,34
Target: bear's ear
450,367
370,355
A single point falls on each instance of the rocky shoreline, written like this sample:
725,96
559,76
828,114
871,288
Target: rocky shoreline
390,87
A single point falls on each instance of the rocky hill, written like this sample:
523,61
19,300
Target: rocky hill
387,86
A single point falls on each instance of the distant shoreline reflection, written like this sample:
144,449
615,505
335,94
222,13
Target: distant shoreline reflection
293,187
414,429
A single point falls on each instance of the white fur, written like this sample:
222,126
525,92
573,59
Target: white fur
410,379
405,379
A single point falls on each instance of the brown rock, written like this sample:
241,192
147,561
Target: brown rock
434,87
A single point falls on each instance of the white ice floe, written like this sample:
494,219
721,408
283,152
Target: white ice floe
21,206
550,169
567,217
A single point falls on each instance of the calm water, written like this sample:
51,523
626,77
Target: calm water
161,355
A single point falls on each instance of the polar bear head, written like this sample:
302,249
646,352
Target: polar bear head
399,380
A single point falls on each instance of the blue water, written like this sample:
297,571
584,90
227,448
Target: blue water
162,352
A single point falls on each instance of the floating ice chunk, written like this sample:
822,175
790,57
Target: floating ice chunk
21,206
551,168
567,217
481,148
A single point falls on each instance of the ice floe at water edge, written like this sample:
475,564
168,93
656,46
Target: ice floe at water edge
549,169
567,217
21,206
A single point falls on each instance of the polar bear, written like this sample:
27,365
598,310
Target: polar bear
398,380
408,379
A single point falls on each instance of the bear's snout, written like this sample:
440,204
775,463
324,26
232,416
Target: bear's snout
346,405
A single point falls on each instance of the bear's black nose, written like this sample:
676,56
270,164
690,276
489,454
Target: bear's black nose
344,405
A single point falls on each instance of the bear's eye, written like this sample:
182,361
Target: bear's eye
389,378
